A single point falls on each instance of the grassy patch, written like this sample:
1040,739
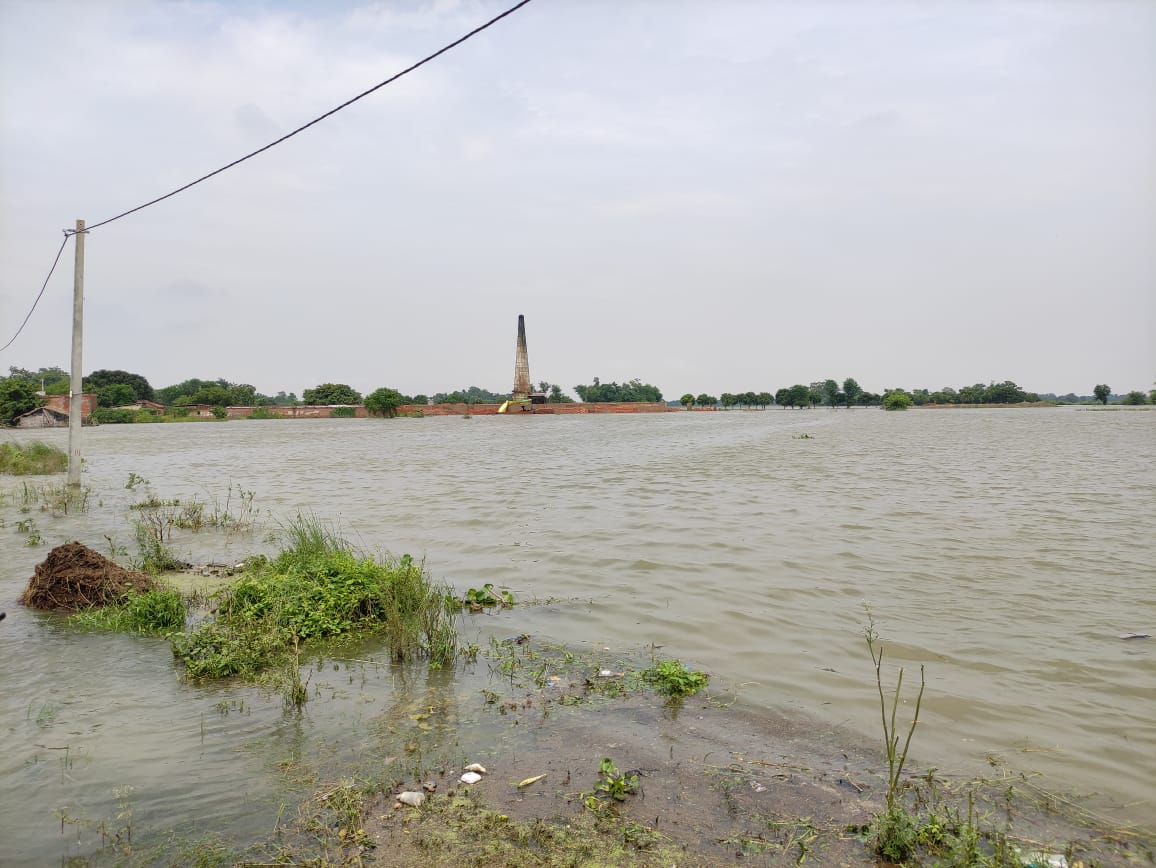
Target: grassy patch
320,588
477,835
157,613
35,458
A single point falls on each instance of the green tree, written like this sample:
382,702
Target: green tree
17,396
115,395
1102,393
213,395
765,399
705,400
687,400
830,392
1006,392
851,391
896,400
421,400
631,391
972,394
331,393
728,400
384,402
781,396
101,379
799,396
1135,397
55,381
472,395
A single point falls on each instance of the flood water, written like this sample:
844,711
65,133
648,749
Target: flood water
1005,550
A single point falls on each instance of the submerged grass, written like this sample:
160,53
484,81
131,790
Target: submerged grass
319,587
35,458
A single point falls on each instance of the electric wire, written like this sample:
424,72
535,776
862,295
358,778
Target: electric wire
67,234
316,120
70,232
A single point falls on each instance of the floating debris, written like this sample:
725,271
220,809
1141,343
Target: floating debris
606,673
475,767
1136,636
523,784
413,799
430,786
470,778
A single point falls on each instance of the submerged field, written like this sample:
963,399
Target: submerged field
731,544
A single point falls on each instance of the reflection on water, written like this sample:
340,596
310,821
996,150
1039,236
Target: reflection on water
1006,550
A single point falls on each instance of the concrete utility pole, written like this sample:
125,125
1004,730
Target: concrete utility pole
76,382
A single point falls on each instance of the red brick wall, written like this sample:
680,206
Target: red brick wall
62,402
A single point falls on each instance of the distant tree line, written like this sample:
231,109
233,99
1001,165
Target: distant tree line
20,393
632,391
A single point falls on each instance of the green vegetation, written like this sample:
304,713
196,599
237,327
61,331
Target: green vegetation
114,388
213,393
17,397
554,393
476,599
122,416
629,392
158,612
615,784
319,588
472,395
762,400
344,412
330,393
1102,393
896,401
1135,398
674,679
34,458
384,402
894,830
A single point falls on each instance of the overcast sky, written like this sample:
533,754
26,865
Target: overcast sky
709,196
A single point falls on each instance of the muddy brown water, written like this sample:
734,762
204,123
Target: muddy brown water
1005,550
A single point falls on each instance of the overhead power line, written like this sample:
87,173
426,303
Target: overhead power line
42,288
286,137
316,120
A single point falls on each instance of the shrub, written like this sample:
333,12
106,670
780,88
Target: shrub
113,416
343,412
896,401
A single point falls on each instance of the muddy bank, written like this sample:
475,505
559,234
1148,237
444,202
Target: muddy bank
716,784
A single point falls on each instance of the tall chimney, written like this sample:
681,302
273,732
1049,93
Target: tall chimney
521,365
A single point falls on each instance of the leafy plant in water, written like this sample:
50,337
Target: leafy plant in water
614,783
674,679
476,599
